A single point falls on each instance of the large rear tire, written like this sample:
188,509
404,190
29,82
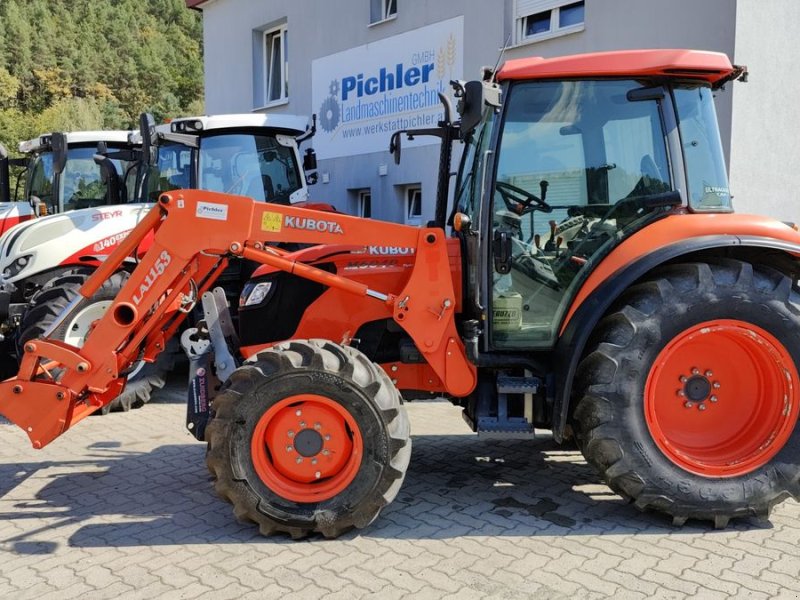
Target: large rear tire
688,400
309,437
51,301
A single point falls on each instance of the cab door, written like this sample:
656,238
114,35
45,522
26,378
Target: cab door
574,161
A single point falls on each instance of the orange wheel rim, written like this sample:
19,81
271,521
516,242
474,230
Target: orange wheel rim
307,448
721,398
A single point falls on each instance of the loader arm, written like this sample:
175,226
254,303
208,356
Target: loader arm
194,235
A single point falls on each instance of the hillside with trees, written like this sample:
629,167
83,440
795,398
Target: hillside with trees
82,64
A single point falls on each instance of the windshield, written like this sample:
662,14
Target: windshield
81,182
257,166
702,149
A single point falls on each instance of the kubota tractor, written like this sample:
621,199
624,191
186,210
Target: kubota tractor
596,283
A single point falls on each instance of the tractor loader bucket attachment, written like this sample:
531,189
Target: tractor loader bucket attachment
58,385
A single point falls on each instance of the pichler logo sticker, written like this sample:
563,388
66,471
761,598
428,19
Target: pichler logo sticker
209,210
271,222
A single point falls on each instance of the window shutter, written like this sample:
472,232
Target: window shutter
532,7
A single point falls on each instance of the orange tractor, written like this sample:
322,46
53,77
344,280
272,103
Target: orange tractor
596,283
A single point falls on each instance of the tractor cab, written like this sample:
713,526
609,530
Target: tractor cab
69,171
250,155
571,166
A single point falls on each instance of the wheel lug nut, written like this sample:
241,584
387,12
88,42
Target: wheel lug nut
302,423
289,448
688,404
716,385
327,437
290,433
299,460
317,426
695,371
326,452
298,412
681,393
713,398
709,374
701,407
317,474
684,379
313,461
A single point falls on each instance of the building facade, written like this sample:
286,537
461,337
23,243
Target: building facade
369,67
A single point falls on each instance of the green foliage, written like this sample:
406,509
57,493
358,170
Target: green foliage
77,64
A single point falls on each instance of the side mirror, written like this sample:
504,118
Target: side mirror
394,146
472,97
310,160
147,130
102,161
470,106
58,142
107,168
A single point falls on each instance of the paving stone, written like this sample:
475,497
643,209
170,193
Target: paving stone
122,507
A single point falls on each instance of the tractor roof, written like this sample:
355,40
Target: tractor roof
712,67
75,137
292,123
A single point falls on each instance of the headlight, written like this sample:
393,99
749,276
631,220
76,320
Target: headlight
255,293
17,266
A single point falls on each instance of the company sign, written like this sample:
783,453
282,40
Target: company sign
363,95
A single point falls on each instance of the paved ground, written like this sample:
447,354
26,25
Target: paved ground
122,507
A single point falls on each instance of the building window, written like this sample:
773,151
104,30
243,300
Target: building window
413,204
543,19
364,203
276,67
381,10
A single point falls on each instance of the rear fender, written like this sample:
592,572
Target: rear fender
583,318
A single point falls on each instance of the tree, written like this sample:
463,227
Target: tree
76,64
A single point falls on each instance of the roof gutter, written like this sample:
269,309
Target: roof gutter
195,5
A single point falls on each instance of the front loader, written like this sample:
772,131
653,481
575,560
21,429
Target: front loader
596,283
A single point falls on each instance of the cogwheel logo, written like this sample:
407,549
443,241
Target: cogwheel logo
329,114
333,89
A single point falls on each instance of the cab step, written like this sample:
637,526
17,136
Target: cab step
506,384
504,426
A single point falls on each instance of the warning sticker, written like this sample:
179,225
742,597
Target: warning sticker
271,221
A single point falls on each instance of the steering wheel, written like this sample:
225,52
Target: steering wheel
520,201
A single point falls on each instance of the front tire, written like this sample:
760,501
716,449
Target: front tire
309,437
688,400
